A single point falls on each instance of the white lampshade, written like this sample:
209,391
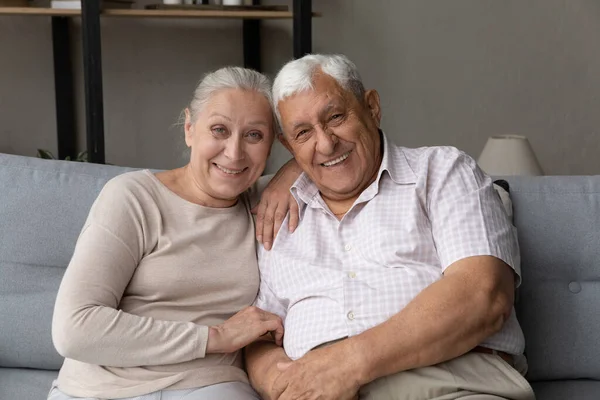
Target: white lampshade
509,155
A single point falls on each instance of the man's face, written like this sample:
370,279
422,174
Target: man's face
333,136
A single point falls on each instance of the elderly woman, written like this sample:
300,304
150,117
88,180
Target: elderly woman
155,302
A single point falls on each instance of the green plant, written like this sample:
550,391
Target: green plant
47,155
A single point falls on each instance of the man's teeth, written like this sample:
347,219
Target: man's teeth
229,171
337,160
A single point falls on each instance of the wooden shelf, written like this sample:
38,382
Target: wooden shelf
300,14
141,13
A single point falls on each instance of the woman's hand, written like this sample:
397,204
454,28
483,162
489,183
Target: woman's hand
242,329
275,202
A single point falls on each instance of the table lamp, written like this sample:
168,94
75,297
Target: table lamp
507,155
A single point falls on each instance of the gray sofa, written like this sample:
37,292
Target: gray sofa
43,205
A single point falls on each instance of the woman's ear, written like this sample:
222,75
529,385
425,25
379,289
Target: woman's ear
188,128
373,105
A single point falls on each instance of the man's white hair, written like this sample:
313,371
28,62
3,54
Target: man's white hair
297,76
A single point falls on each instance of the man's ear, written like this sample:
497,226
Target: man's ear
373,104
188,128
284,142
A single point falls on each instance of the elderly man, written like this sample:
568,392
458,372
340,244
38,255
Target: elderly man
399,280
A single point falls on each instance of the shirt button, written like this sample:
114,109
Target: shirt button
352,275
350,315
348,247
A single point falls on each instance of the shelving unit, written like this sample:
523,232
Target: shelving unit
92,58
141,13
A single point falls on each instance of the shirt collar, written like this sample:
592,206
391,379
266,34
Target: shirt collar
393,161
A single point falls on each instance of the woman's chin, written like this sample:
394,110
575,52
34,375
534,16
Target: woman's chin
228,192
230,187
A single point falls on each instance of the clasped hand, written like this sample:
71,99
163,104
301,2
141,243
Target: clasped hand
323,374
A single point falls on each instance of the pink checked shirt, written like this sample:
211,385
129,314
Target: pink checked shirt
428,208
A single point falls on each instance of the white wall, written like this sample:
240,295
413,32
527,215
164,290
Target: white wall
448,72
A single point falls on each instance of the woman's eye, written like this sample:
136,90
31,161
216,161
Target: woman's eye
255,136
336,116
218,130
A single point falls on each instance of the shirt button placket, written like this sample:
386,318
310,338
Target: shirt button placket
347,250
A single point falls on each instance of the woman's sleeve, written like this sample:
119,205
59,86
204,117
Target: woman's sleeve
87,325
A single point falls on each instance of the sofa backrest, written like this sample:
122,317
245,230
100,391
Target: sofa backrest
558,303
43,205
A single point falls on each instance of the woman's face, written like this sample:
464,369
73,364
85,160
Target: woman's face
230,141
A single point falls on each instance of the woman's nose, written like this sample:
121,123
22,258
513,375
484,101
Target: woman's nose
234,150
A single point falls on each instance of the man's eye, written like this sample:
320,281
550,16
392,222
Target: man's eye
301,133
336,116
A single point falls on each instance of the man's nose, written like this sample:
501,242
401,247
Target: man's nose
234,149
326,141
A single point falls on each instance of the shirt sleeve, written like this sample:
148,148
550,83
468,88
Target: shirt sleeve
267,300
88,325
466,214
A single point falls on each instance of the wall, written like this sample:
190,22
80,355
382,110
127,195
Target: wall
447,72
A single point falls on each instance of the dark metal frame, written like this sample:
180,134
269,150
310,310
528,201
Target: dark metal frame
92,71
251,38
63,88
302,27
92,76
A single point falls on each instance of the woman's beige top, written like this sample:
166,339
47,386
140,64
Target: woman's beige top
151,271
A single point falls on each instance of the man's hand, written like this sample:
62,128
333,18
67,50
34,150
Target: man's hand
268,381
329,373
275,202
261,359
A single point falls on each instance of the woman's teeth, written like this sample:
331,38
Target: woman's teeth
337,160
229,171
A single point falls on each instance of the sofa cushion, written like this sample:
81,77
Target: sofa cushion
27,295
567,390
558,220
25,384
43,205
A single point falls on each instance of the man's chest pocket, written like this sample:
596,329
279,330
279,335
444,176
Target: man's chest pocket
396,236
298,280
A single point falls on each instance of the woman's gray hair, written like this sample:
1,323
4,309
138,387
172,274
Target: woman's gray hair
228,78
297,76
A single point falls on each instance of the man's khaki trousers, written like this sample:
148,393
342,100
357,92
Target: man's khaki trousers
473,376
